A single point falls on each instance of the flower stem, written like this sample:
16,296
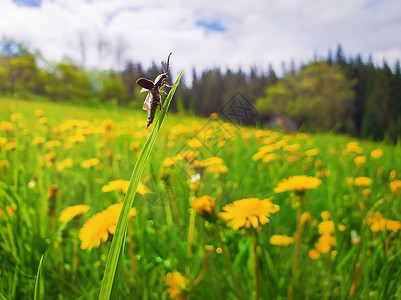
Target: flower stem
203,271
256,267
190,233
230,269
297,237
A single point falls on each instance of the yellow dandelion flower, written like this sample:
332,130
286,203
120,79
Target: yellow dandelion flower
260,133
38,140
98,227
367,192
89,163
50,157
280,144
6,126
39,113
205,206
269,140
281,240
122,187
298,184
376,222
251,212
109,153
8,211
313,254
71,212
267,149
360,160
395,185
194,143
312,152
3,141
52,144
170,162
108,124
325,215
353,147
292,158
377,153
221,143
66,163
11,145
341,227
393,225
15,117
325,243
133,146
77,138
194,186
362,181
214,116
319,163
246,135
4,164
269,158
291,148
326,227
258,156
393,174
199,164
43,121
350,180
214,161
188,155
177,285
218,169
303,136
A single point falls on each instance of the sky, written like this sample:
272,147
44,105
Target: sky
204,34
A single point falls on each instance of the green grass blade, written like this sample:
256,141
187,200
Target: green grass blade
2,297
38,281
109,286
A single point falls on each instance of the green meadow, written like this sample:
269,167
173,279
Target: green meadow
333,233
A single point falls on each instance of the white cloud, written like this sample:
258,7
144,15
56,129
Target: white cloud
256,32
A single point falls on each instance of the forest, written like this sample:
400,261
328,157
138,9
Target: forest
336,93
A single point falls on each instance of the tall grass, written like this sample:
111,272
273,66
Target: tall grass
110,282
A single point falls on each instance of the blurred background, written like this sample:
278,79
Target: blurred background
309,65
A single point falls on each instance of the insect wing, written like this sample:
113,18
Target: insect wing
148,102
145,83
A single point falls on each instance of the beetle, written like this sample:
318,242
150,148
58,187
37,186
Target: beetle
153,98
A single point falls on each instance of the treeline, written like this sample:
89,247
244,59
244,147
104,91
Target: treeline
348,95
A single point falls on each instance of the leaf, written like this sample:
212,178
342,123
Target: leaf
38,282
2,297
109,287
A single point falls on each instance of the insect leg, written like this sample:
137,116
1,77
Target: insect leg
167,85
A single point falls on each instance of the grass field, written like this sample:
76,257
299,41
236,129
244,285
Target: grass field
332,235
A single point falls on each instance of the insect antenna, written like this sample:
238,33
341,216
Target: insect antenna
166,66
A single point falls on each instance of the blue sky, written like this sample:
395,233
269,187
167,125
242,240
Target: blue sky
203,34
